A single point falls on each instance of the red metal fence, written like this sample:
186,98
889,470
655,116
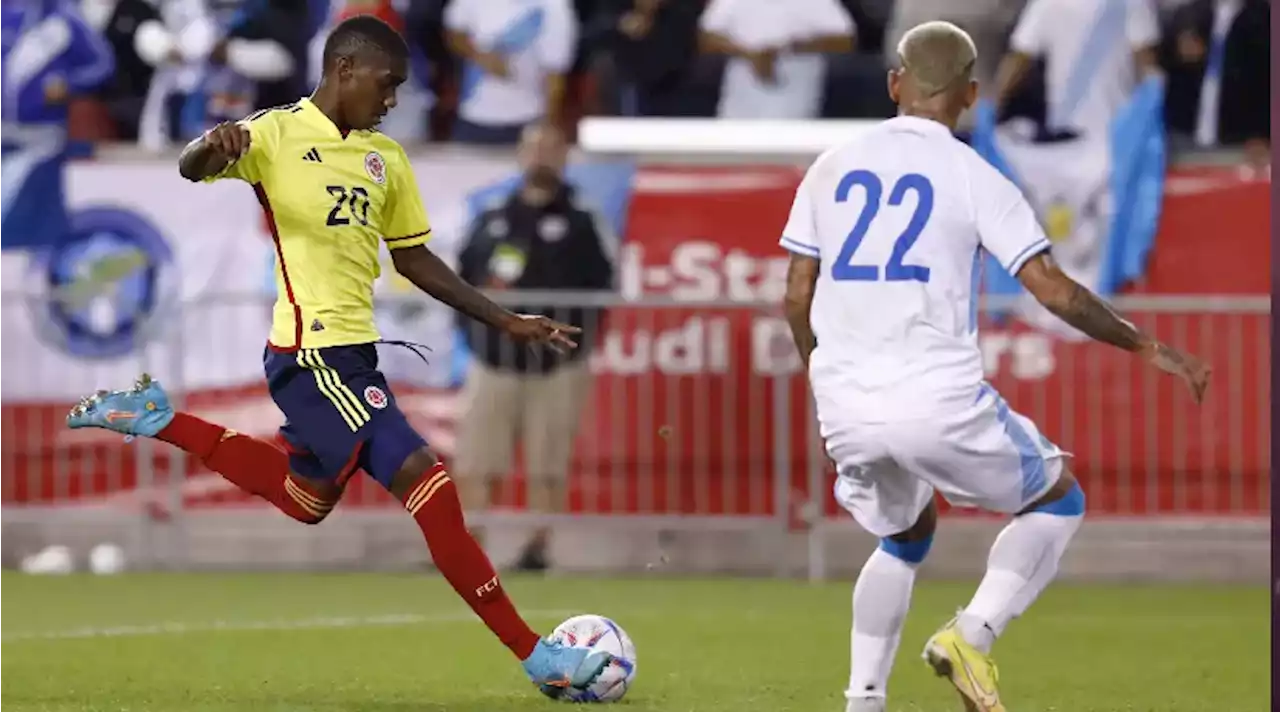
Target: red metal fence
698,409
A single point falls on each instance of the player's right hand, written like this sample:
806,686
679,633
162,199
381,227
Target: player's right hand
229,139
530,328
1193,371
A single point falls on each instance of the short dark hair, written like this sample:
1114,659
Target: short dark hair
360,34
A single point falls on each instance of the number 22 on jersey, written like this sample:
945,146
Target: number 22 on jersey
896,269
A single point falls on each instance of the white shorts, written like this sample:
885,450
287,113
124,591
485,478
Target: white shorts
976,454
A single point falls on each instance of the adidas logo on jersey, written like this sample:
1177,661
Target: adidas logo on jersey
316,325
313,155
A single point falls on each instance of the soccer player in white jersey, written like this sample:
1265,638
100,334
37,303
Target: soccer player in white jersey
886,236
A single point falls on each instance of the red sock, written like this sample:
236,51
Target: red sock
434,504
254,466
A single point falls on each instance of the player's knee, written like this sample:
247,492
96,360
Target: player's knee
309,502
418,463
912,545
912,552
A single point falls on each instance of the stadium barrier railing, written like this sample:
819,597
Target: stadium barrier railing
698,420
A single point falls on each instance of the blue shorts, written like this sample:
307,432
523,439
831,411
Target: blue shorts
339,413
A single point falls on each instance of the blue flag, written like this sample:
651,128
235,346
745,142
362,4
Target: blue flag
45,44
1134,178
518,36
1138,164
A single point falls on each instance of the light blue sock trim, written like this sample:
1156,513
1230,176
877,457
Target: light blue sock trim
911,552
1069,505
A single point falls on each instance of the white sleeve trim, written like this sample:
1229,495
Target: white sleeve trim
798,247
1025,256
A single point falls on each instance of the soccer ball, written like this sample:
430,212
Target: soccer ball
597,633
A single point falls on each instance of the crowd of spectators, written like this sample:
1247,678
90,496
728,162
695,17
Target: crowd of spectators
483,69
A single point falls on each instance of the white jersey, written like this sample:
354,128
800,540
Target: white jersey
537,37
796,92
900,217
1088,48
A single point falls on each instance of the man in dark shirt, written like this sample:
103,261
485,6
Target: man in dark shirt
1218,58
541,238
653,44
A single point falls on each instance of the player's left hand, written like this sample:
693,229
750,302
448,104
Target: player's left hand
1194,372
535,329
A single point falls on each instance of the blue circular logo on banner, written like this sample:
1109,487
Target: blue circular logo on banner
101,288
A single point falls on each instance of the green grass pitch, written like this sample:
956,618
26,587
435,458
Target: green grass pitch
378,643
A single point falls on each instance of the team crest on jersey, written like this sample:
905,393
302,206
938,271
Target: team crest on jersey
375,167
375,397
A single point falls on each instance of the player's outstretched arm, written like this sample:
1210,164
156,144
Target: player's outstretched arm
1087,312
802,280
429,273
211,153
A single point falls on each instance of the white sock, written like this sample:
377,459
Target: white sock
881,598
1022,562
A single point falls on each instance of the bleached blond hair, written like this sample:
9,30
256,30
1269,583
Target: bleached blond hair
937,56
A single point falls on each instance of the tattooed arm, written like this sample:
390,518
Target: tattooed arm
802,279
1084,310
1078,306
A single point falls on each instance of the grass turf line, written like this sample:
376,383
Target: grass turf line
379,643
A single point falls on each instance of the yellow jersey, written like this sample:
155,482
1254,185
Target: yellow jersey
329,200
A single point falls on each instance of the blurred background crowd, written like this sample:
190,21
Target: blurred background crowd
157,72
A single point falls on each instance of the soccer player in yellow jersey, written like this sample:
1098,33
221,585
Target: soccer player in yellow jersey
333,188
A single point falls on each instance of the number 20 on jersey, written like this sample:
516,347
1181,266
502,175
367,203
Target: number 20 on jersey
896,269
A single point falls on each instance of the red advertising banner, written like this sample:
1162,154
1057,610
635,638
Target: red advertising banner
1140,444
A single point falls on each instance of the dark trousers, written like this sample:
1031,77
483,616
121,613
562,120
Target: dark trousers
479,134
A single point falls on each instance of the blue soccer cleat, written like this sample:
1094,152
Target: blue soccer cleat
552,665
142,410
